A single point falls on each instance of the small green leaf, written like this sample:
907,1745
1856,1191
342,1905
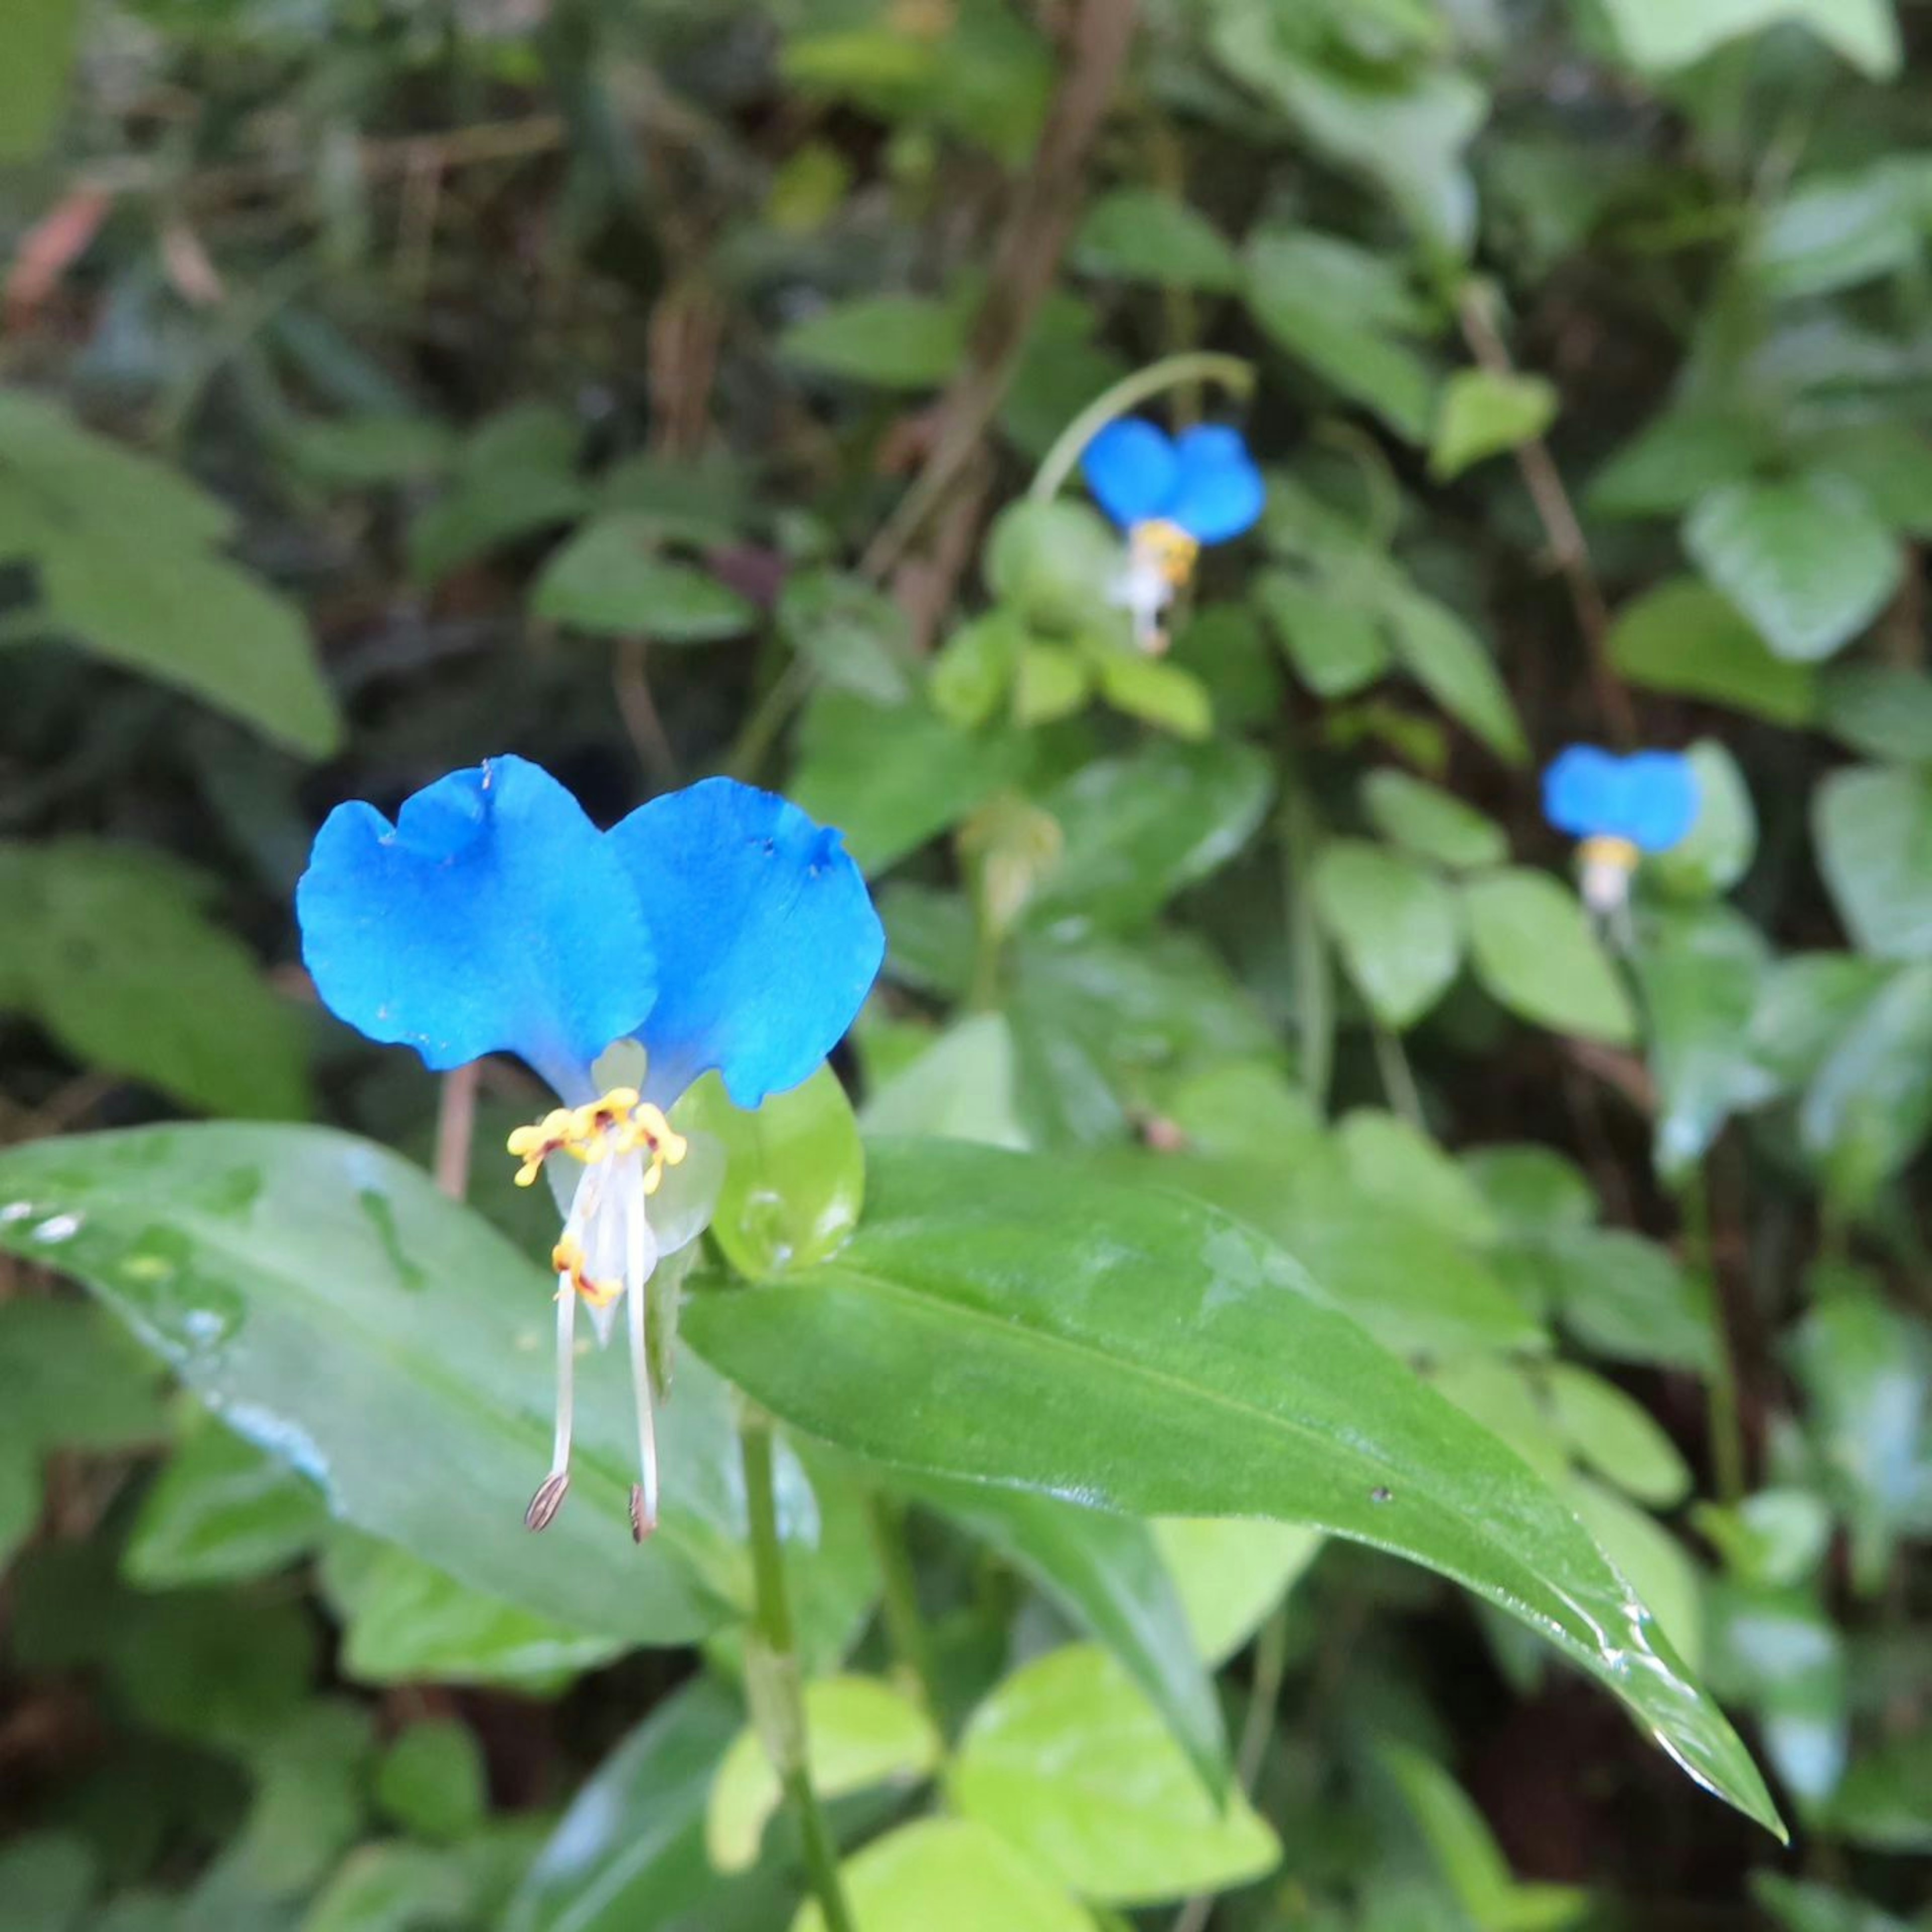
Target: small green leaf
1141,235
1054,565
1335,645
1884,711
1053,682
962,1088
1616,1436
1684,637
1806,560
888,342
976,666
1626,1298
1398,1165
1534,952
431,1781
1447,659
1483,412
1067,1761
1161,693
949,1875
1873,829
1396,924
794,1172
1231,1574
1430,823
860,1732
854,636
1869,1108
1661,35
610,579
1717,850
69,1378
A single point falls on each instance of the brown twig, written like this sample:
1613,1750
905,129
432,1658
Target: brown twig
632,687
1568,549
1024,265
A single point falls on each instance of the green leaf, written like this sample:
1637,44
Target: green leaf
320,1294
628,1855
1835,231
517,478
1684,638
1106,1573
1323,300
1626,1298
1396,1164
975,668
1231,1574
1884,711
1137,829
366,452
1533,949
1677,458
854,636
220,1512
1160,693
123,551
1717,850
1335,644
887,342
1885,1801
1805,560
794,1172
962,1088
859,1733
69,1378
1054,681
1068,1762
393,1887
891,777
1662,34
1141,235
610,579
1810,1001
1430,823
1446,659
949,1875
1153,1356
1055,564
187,1009
1395,923
1483,412
43,39
1615,1436
432,1781
1873,829
1869,1107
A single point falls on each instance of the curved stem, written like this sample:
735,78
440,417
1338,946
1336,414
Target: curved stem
772,1677
1170,372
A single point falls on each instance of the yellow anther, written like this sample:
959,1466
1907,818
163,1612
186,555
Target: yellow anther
1168,546
573,1270
1604,850
619,1123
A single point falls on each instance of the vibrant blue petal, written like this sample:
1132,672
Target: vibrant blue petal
1131,468
767,942
1659,799
1218,492
1580,789
493,917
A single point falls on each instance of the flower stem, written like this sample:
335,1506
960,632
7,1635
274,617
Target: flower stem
904,1624
1398,1079
772,1677
456,1128
1169,373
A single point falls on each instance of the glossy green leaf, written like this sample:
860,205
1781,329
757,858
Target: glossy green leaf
949,1875
1106,1573
1430,823
1335,643
1448,660
794,1172
1231,1573
1395,923
1483,412
1660,1568
123,552
1684,637
1806,560
860,1732
1151,1355
322,1296
1137,829
1874,828
1067,1761
188,1010
1141,235
1157,690
609,579
1535,953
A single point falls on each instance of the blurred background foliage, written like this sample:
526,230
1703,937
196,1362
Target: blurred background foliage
659,387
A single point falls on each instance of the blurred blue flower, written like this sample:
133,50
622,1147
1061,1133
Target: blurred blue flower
718,927
1171,495
1648,800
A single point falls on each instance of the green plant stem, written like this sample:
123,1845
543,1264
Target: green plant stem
1726,1422
1170,372
905,1625
1314,994
773,1677
1398,1080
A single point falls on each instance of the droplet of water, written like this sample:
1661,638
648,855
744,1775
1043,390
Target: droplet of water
15,1210
56,1228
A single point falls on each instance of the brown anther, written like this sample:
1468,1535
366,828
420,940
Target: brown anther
641,1526
547,1501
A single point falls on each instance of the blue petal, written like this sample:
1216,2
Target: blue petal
1219,492
1659,799
767,941
1580,788
1131,468
491,917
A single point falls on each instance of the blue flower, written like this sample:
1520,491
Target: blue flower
1648,800
1171,495
717,927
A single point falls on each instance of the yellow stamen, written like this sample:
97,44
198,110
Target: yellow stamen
1604,849
1166,545
571,1264
620,1123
